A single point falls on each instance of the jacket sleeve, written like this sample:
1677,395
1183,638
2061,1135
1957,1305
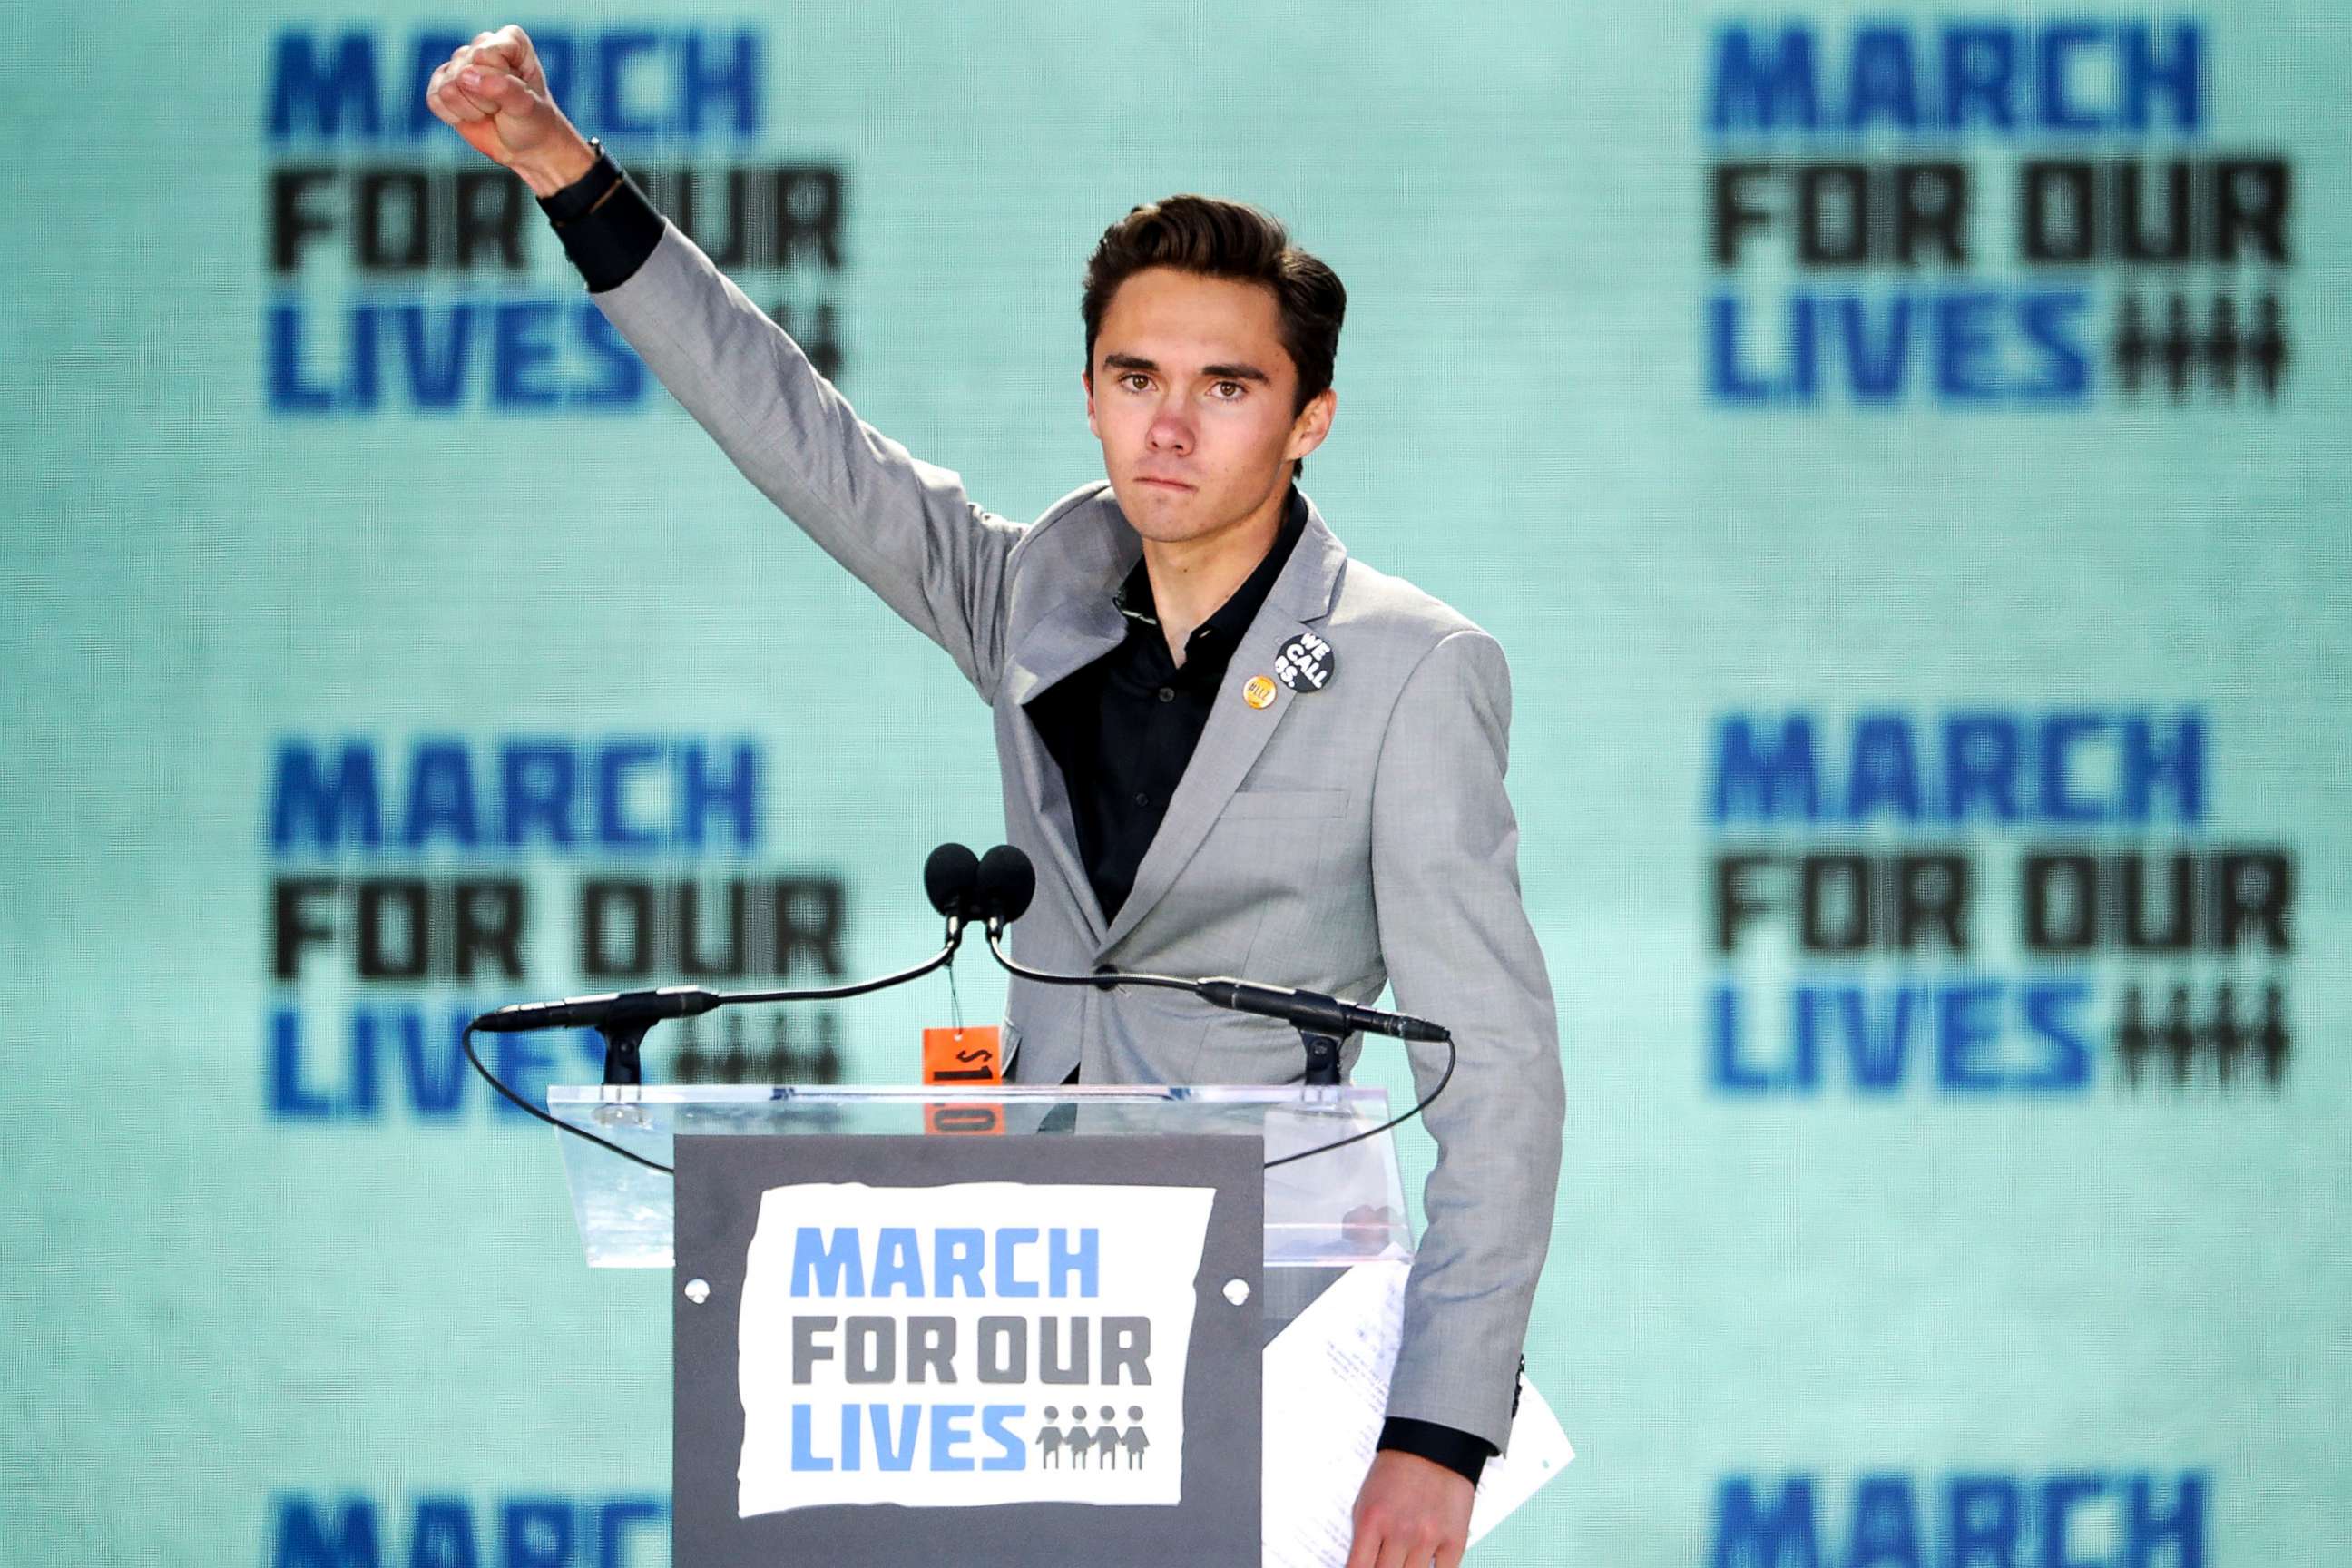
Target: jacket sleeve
1458,948
903,527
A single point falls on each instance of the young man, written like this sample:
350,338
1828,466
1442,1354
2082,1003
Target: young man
1227,747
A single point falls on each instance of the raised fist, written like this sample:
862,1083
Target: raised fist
494,94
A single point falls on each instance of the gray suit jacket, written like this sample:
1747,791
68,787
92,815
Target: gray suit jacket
1338,839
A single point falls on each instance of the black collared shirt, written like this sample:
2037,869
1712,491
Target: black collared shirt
1122,728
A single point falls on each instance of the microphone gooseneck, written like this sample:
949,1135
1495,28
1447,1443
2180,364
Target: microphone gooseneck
1008,882
623,1017
950,875
1107,980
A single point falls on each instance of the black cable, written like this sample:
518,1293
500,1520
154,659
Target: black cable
1106,982
859,988
816,993
1452,1056
945,955
1100,982
559,1126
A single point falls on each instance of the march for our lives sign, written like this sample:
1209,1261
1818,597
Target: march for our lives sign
955,1346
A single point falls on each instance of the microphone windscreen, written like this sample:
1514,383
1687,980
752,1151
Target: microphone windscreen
949,875
1007,882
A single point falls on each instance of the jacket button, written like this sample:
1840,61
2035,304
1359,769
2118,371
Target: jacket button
1104,969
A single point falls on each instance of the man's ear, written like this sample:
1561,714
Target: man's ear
1313,424
1086,380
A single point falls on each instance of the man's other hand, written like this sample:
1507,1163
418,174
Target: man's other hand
1410,1512
493,92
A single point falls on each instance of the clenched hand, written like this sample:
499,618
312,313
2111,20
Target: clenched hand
493,92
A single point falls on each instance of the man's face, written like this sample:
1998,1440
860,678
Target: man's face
1191,393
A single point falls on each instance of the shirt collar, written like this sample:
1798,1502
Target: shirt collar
1133,596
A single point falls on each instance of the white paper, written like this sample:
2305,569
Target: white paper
1326,1389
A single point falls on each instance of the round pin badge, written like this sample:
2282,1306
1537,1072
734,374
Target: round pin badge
1259,692
1305,660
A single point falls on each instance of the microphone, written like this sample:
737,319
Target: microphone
1313,1010
1007,885
950,875
1007,882
621,1007
950,880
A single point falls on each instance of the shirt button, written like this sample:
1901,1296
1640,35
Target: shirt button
1167,694
1141,798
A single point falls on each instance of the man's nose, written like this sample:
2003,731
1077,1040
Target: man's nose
1170,431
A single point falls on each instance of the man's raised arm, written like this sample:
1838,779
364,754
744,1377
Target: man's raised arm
904,527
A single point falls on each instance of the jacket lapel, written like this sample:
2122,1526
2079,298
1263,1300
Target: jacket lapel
1236,732
1072,636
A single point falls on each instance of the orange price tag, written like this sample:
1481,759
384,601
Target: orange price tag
962,1057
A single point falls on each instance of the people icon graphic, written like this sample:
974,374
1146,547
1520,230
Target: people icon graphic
1049,1442
1135,1441
1107,1440
1103,1444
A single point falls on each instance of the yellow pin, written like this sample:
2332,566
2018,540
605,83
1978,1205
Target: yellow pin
1259,692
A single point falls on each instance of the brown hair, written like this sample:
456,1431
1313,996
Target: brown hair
1219,239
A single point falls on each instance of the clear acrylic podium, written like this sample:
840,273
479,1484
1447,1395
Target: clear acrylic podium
1325,1212
757,1169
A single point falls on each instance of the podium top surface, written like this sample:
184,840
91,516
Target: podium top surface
1345,1206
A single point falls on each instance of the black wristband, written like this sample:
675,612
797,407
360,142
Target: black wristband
574,200
606,224
1456,1449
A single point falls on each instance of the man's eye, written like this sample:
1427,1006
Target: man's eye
1230,390
1135,381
